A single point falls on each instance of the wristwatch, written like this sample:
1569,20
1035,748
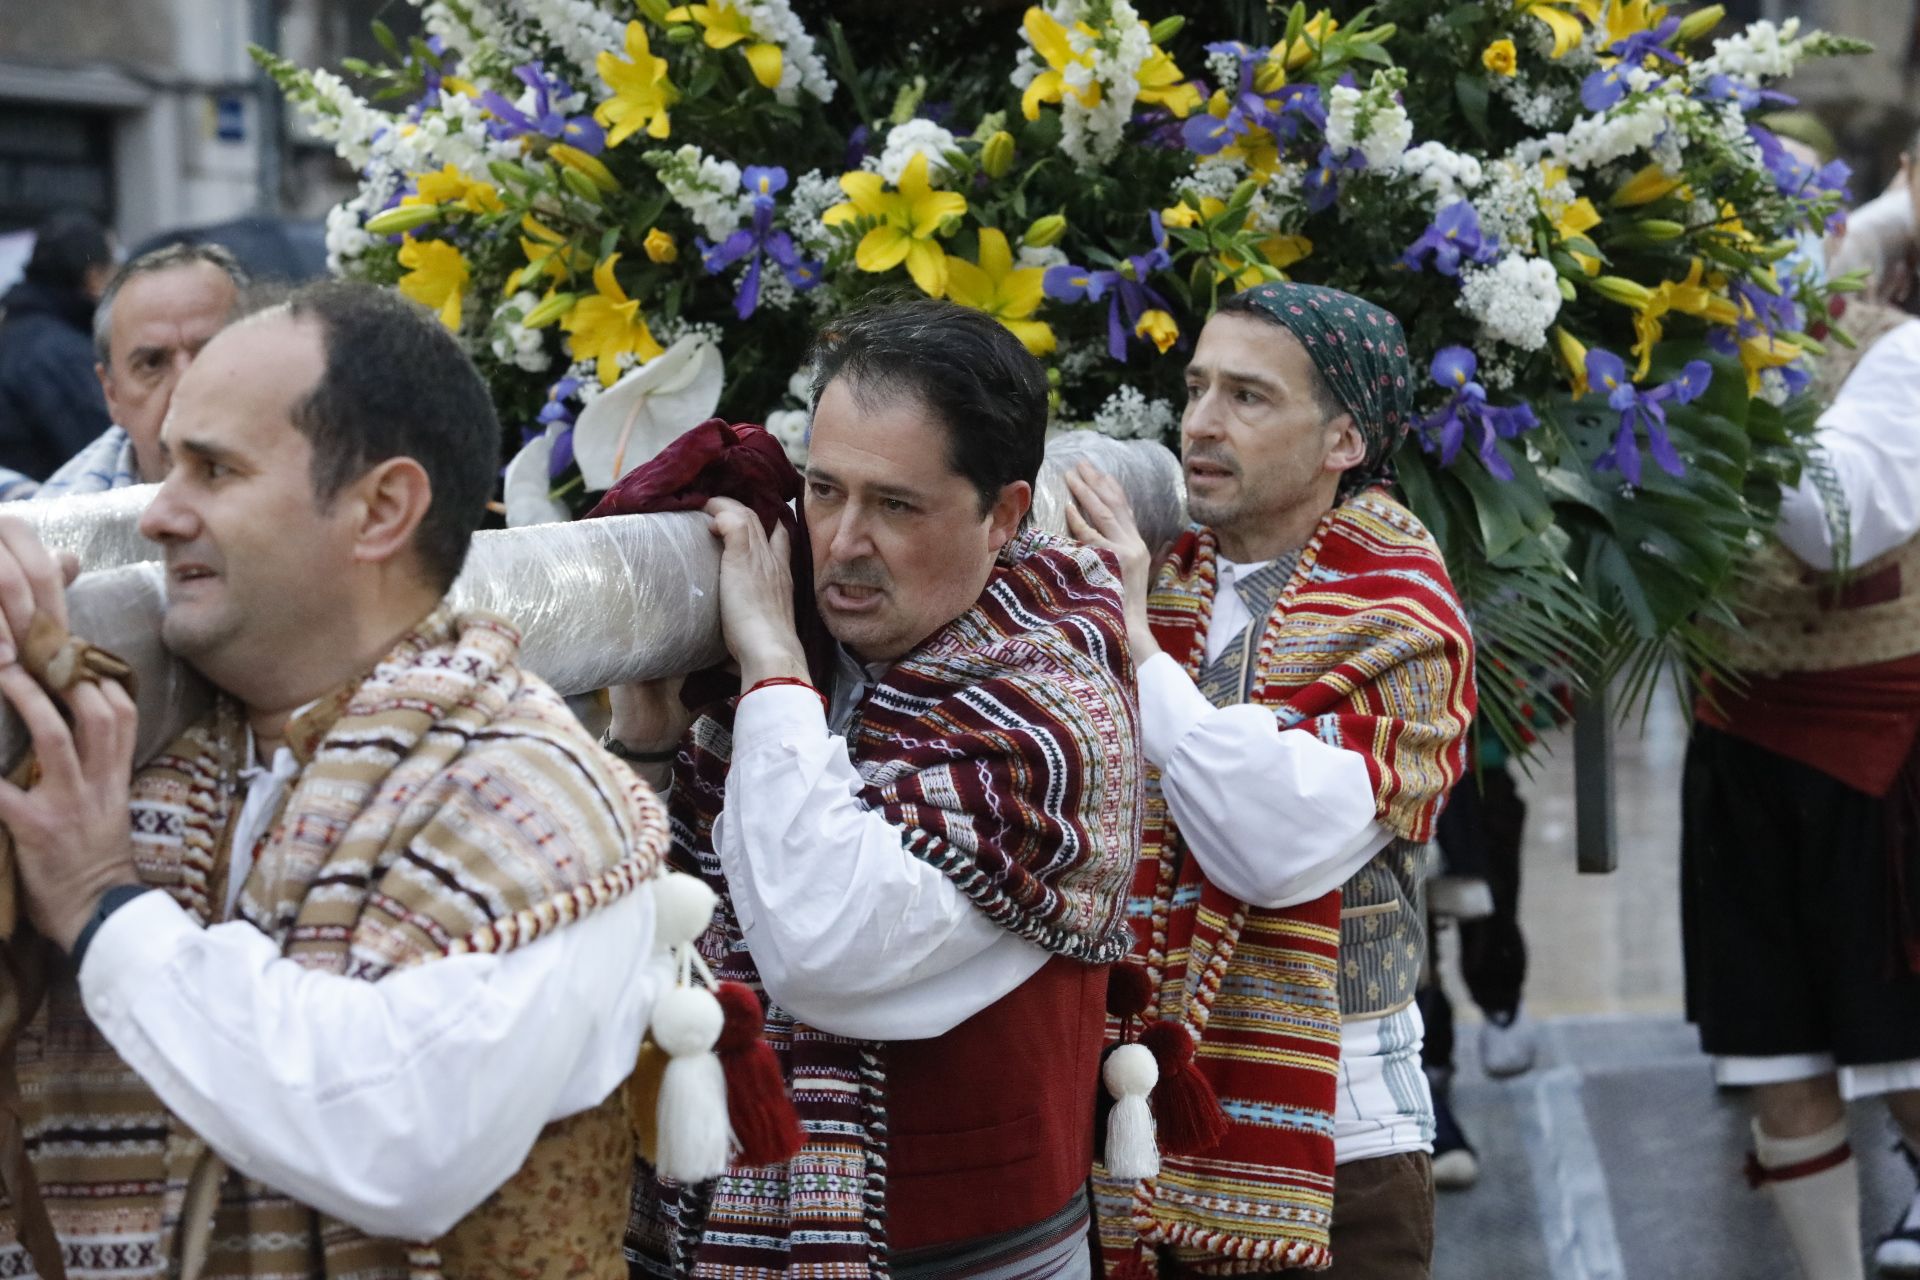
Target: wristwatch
110,901
621,751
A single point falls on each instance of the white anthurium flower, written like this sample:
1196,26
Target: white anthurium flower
647,410
528,489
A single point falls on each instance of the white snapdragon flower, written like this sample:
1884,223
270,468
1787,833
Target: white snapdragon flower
1764,51
1371,120
707,187
580,29
802,70
512,342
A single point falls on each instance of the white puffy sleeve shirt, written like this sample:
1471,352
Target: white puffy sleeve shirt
398,1105
1871,436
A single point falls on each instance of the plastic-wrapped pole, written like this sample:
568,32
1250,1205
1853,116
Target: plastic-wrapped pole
102,529
598,602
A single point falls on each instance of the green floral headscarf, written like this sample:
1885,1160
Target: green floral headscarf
1361,351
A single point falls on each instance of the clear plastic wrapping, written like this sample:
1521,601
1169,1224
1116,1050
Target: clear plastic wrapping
103,529
602,602
1146,469
599,602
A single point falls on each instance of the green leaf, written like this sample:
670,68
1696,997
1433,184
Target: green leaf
1471,91
384,34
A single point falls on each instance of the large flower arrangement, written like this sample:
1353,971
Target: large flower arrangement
632,212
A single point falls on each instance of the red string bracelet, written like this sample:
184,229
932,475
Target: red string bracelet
796,681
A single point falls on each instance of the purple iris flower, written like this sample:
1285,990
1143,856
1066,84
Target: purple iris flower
1721,87
1452,237
1322,185
758,241
557,409
509,121
1281,112
1793,176
1772,312
1129,295
1603,89
1607,372
1446,430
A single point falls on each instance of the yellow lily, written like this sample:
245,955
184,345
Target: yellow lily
641,91
1283,251
1566,29
1049,40
588,166
1689,297
1631,17
450,186
548,254
437,277
1161,84
1574,222
909,222
1646,186
1008,293
1763,351
607,324
1284,57
1573,355
724,26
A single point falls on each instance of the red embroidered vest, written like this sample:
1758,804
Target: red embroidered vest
990,1126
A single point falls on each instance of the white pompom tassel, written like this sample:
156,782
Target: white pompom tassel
1130,1073
693,1130
682,909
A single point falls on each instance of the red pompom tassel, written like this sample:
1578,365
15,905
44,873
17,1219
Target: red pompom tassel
758,1107
1129,990
1186,1114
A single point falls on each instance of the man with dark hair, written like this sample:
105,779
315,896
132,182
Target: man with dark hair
922,851
319,1028
49,407
1306,683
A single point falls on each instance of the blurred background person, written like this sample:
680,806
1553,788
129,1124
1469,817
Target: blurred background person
51,404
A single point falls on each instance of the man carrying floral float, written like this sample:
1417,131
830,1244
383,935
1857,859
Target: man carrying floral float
921,833
1306,684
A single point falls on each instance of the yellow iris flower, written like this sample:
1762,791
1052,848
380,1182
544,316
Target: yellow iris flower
641,91
1008,293
724,26
1558,15
1284,57
607,324
1573,355
909,220
436,279
1159,328
450,186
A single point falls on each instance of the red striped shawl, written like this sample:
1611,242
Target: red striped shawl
1368,649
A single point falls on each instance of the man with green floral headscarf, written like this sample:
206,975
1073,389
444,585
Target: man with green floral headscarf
1306,682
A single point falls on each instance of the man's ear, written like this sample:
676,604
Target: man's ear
1009,509
1349,447
392,499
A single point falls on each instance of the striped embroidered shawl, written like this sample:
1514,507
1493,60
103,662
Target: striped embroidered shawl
1367,648
1006,750
449,803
